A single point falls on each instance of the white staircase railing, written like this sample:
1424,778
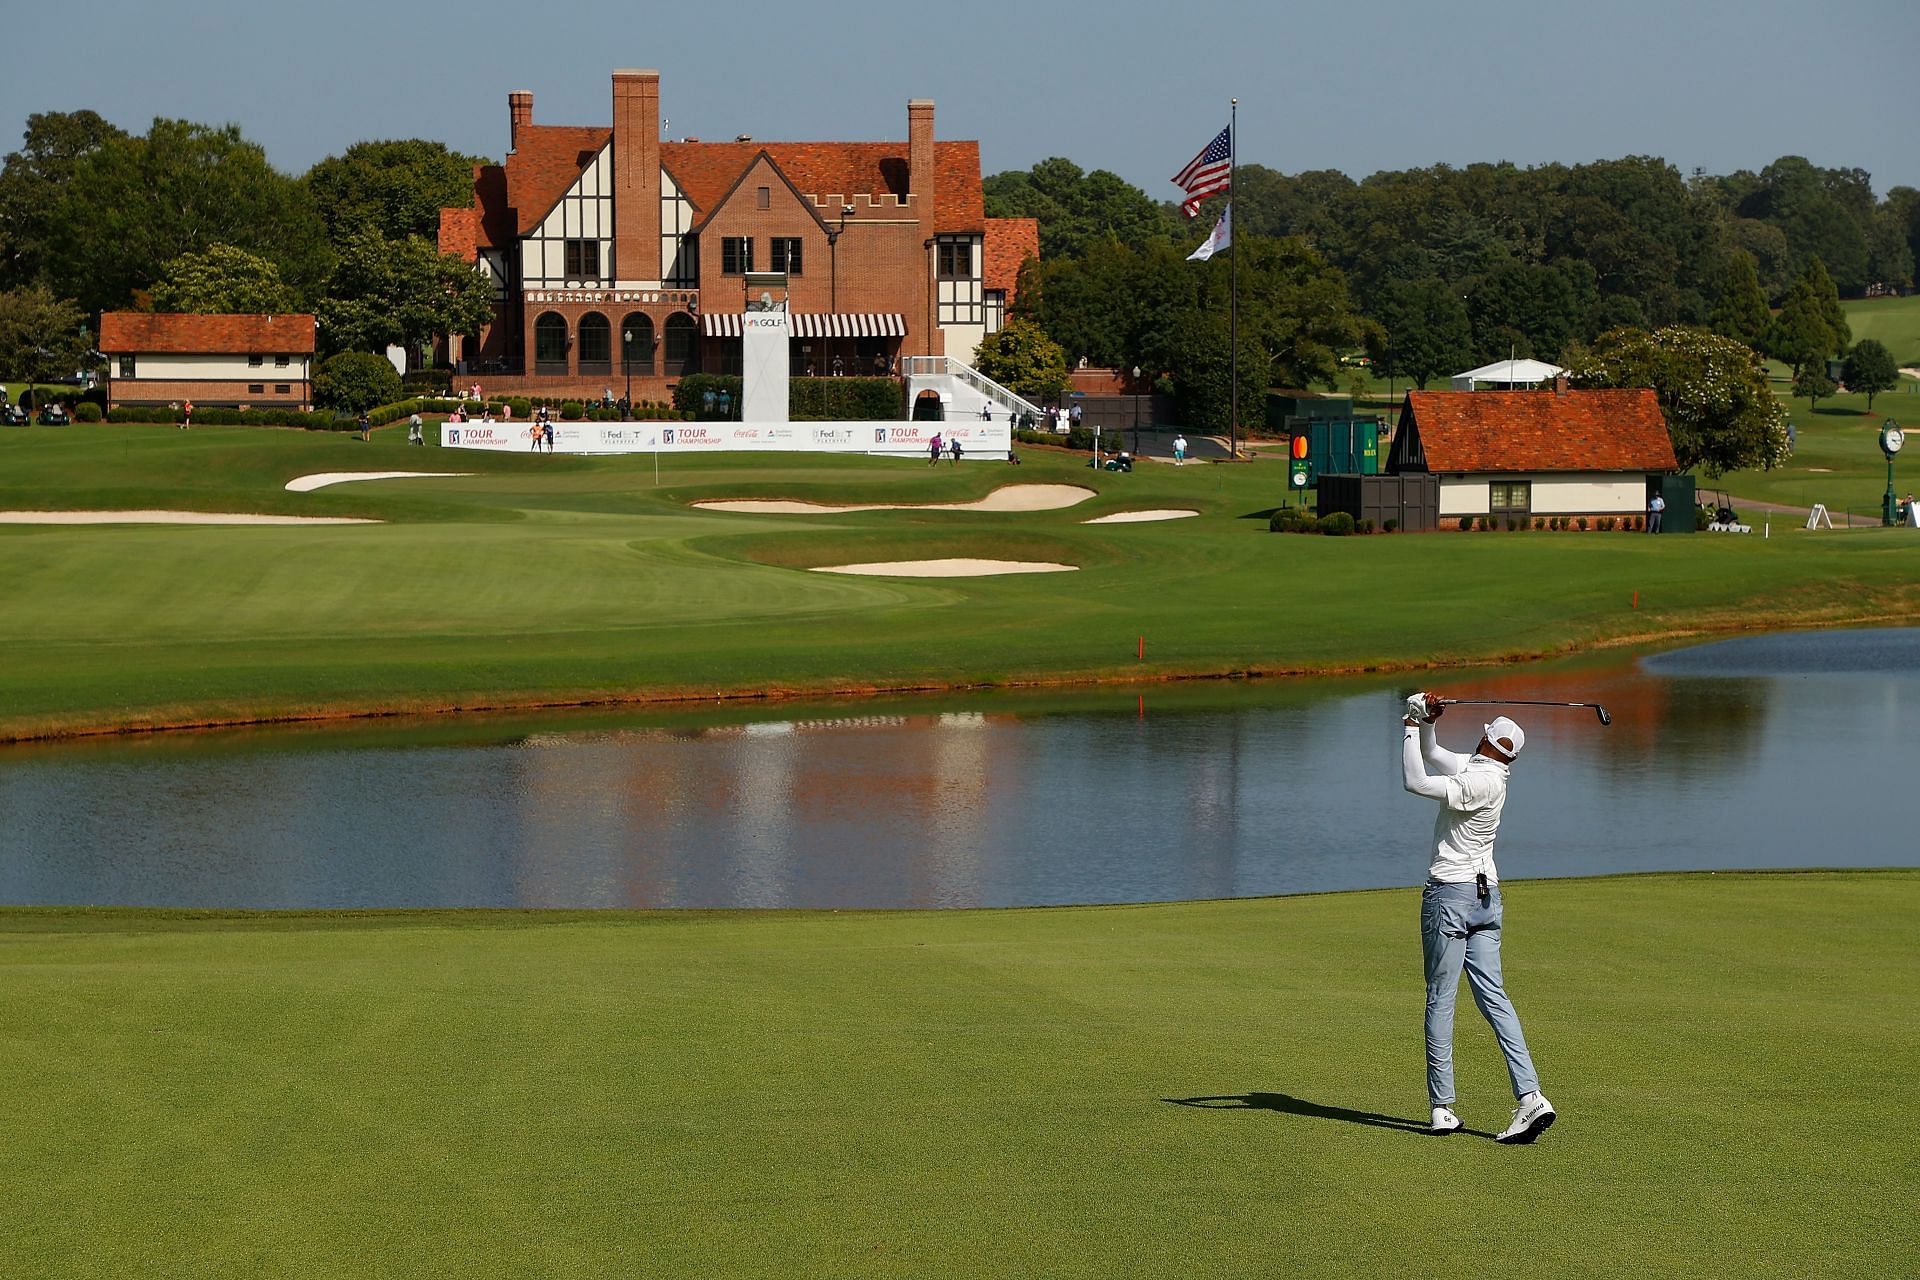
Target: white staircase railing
979,383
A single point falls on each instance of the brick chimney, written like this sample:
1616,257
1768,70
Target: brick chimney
519,115
636,176
920,170
1560,384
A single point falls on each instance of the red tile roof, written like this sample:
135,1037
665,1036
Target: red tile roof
138,332
706,171
1009,243
548,158
460,233
1511,431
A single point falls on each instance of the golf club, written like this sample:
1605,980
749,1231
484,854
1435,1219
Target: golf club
1524,702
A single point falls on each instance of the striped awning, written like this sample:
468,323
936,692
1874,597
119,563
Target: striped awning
870,324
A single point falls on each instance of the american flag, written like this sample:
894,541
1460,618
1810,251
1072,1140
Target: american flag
1208,173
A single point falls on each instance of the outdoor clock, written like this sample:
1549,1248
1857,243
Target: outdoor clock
1891,438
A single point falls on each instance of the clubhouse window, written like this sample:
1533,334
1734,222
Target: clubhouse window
763,199
126,366
281,362
256,388
736,255
282,388
254,362
956,259
583,260
785,254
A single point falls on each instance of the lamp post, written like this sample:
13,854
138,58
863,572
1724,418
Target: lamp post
1136,411
833,284
626,361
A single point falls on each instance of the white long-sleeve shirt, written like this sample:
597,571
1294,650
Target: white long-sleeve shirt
1472,790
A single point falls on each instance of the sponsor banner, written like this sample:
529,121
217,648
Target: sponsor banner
976,438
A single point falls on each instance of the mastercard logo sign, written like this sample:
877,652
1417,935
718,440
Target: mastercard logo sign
1300,446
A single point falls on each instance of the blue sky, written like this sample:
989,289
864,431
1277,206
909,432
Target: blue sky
1130,86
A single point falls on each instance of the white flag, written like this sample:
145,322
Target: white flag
1221,238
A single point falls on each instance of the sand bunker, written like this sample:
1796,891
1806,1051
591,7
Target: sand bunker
946,568
320,480
1013,497
166,517
1138,517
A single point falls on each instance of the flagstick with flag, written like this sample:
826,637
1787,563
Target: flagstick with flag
1222,237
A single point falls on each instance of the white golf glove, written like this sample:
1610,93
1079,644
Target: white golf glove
1417,709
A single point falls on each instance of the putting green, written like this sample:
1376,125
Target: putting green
1217,1089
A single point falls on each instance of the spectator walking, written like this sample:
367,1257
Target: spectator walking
1179,451
954,447
933,450
415,432
1073,416
366,423
546,430
187,418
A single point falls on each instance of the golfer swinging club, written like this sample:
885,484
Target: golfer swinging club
1460,907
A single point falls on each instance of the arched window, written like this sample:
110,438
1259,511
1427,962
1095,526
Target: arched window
596,344
682,352
636,344
550,343
928,408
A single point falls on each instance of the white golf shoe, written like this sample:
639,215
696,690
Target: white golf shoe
1530,1119
1444,1122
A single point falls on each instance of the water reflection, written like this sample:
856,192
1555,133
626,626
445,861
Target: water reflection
1781,751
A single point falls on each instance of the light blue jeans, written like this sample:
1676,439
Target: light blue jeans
1456,928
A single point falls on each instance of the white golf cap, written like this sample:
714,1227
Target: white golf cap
1506,735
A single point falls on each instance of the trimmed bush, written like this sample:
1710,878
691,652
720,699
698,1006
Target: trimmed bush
356,380
1338,524
1390,525
428,382
87,411
1365,526
1582,522
1289,520
1466,523
845,399
572,410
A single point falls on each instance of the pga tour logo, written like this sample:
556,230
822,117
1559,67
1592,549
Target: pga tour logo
666,435
453,435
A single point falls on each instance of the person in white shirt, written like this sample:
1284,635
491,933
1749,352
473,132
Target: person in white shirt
1179,451
1460,907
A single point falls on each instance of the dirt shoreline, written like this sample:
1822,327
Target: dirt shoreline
347,713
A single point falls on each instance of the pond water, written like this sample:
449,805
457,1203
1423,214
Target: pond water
1775,751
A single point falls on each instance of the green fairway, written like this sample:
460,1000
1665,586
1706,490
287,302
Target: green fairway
1894,322
1227,1088
566,579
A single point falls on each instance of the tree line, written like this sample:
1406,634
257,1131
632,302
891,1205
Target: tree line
191,217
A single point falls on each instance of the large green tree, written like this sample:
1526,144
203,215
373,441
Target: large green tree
1424,333
222,279
386,292
42,337
398,187
135,204
1024,360
1871,369
1720,410
1740,312
1811,328
1076,210
32,184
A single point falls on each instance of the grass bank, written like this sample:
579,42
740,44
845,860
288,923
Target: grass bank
1226,1088
561,580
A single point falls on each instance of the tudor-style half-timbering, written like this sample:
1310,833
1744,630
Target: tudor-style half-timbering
573,245
615,252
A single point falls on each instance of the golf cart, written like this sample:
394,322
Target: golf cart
1721,517
14,416
54,415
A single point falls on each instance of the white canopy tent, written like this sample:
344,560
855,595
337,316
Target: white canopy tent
1507,375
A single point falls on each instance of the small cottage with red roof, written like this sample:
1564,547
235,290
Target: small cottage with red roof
223,361
616,253
1535,453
